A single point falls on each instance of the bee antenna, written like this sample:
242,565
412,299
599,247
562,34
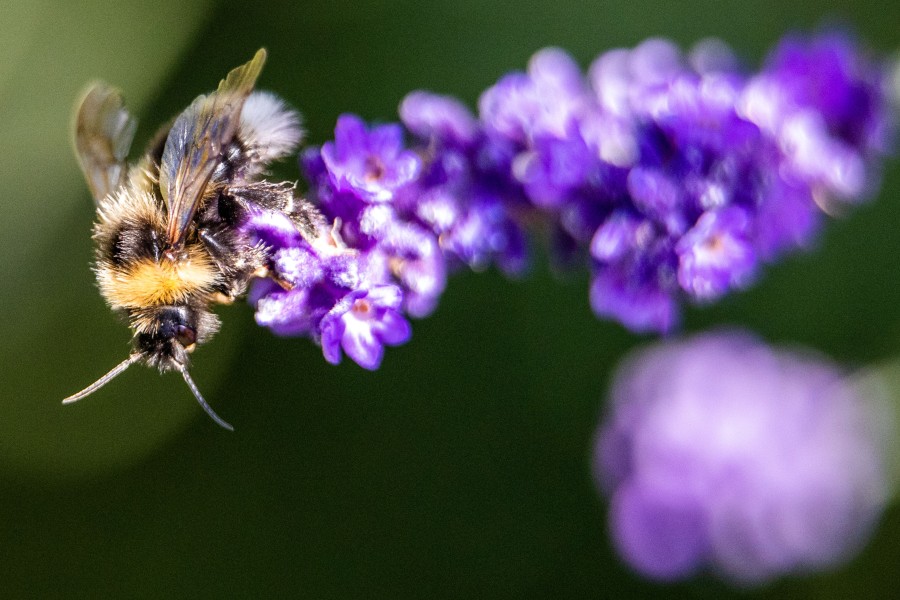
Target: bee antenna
117,370
187,379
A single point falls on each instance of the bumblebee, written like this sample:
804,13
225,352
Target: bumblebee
168,239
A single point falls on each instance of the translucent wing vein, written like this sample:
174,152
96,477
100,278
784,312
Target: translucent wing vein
195,145
104,130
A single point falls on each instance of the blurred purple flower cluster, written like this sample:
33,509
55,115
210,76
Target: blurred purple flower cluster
720,452
674,176
682,174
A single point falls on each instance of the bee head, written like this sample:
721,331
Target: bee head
165,336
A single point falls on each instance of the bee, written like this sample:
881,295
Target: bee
167,235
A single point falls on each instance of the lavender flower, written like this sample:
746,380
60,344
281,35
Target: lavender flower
545,102
335,295
719,452
716,254
465,196
373,165
674,177
827,107
362,323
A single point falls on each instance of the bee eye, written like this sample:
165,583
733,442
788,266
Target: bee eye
186,336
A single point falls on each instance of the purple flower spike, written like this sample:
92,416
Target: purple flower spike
362,323
370,164
721,453
674,176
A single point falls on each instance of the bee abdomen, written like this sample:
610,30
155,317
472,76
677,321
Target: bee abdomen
155,281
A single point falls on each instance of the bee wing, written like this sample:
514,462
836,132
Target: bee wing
103,134
195,145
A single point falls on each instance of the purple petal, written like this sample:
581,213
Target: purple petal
659,534
618,236
392,328
431,116
658,196
300,266
285,313
386,141
553,68
715,255
385,296
361,344
312,164
553,170
273,228
642,307
403,170
350,135
332,334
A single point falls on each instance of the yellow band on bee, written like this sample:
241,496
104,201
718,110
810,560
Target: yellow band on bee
151,283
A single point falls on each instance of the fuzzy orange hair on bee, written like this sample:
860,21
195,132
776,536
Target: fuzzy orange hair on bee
168,245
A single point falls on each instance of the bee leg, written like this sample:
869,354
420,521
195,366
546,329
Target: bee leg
285,285
220,298
228,252
236,264
264,194
305,216
217,249
265,272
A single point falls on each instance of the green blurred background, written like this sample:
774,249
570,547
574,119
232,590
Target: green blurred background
461,468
